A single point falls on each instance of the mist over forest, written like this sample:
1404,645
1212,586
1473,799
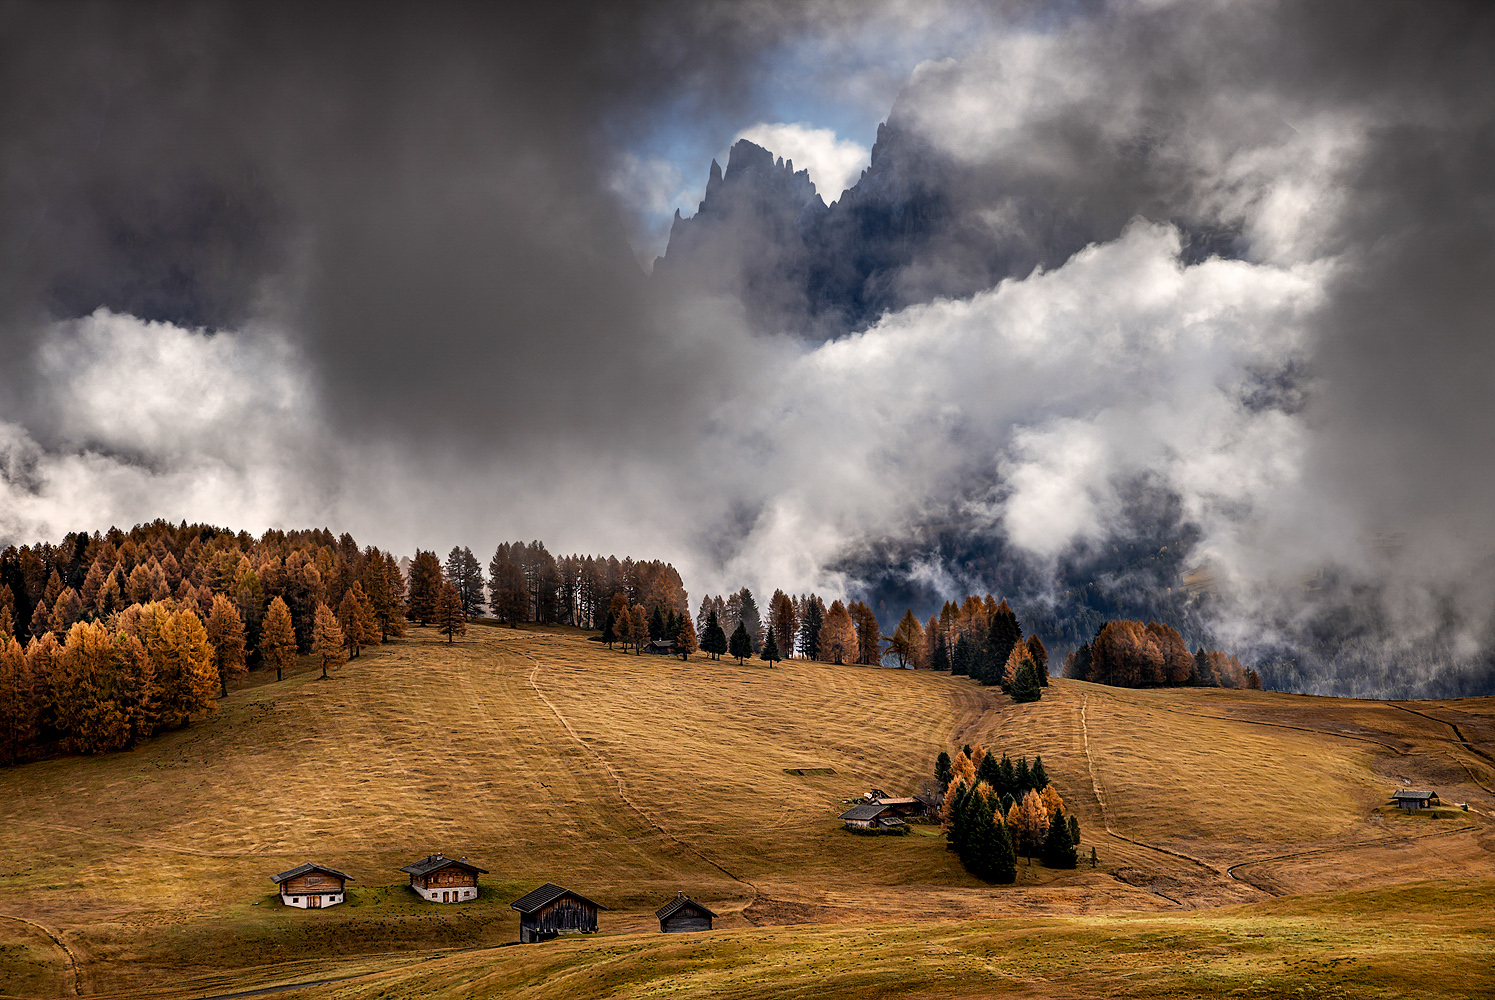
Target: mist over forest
1165,312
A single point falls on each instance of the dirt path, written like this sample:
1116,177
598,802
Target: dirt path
1100,799
57,940
622,788
1459,736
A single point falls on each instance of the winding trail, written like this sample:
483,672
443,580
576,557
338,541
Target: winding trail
1100,799
1459,736
57,940
623,788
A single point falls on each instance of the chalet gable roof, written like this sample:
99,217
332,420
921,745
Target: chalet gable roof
435,862
309,867
545,895
866,811
680,902
1412,793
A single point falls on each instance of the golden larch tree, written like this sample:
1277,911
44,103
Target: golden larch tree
327,638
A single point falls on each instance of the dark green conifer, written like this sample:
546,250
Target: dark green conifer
1038,775
942,770
610,630
940,658
656,625
1004,864
1025,686
964,657
741,645
1008,776
770,648
1074,831
990,771
1008,801
714,639
1024,776
1058,848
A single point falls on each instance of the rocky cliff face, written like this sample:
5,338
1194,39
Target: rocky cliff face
915,227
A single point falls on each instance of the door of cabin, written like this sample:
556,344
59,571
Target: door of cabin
313,902
446,897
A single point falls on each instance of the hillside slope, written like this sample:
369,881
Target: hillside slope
544,757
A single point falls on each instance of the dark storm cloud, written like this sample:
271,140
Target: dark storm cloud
400,216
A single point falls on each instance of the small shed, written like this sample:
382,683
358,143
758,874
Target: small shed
683,914
311,887
551,910
439,879
661,647
1413,799
872,816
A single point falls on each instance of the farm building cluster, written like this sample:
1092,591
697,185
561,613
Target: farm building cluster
545,913
879,812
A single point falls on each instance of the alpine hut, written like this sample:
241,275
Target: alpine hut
683,914
311,887
441,879
1413,799
873,817
551,910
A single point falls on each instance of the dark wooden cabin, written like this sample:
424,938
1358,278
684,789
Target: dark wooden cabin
311,887
1413,799
552,910
683,914
440,879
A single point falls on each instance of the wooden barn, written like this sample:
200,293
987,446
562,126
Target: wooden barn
1413,799
683,914
551,910
873,816
903,806
311,887
440,879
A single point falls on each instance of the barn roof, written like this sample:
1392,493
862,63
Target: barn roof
308,867
869,810
680,902
1411,793
904,800
545,895
435,862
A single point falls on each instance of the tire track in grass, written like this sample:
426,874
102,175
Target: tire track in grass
1458,735
623,789
1231,871
1100,799
57,940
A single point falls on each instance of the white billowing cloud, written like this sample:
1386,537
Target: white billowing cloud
1122,362
834,164
138,420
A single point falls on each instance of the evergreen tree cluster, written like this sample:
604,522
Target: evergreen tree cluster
801,626
256,601
528,584
994,810
1131,654
981,638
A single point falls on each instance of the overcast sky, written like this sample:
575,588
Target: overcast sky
384,269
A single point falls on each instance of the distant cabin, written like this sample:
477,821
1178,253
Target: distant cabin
551,910
683,914
311,887
872,816
443,880
661,647
1413,799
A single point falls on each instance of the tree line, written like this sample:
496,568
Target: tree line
994,810
1131,654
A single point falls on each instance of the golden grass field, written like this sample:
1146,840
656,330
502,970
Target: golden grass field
1244,842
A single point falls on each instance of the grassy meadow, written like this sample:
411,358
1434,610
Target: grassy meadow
1237,833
